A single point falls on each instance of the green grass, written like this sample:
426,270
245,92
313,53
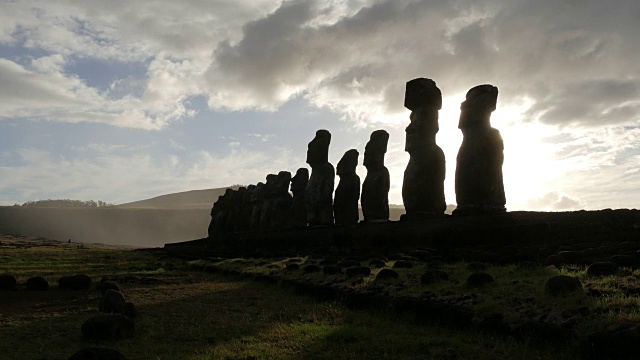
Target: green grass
197,316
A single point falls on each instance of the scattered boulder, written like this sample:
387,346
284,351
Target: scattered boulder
555,260
476,266
75,282
331,269
479,279
402,264
37,283
112,301
108,327
571,257
7,282
97,353
621,343
387,274
602,269
377,264
108,285
130,310
311,269
433,276
358,271
562,284
625,260
293,267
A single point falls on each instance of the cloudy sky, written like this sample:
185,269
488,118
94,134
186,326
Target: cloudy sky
124,100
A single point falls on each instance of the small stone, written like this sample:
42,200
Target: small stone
432,276
624,260
555,260
621,343
7,282
97,354
112,301
108,327
562,284
572,257
331,269
311,269
402,264
602,269
476,266
37,283
377,263
108,284
358,271
387,274
293,267
479,279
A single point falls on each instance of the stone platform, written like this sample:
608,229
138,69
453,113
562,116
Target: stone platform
530,235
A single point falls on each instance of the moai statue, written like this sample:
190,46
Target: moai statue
247,208
220,213
345,203
319,202
234,221
423,185
479,186
281,202
375,189
299,189
257,200
267,209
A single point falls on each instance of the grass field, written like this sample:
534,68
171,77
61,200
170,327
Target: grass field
193,315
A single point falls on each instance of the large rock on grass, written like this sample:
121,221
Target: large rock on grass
387,274
602,269
112,301
108,327
7,282
562,284
479,279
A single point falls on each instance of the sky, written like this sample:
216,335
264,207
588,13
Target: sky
124,100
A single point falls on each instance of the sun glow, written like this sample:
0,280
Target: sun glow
528,169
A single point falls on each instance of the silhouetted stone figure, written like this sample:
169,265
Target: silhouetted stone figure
281,202
246,208
375,189
345,202
299,190
319,202
479,186
234,219
423,185
220,214
257,200
267,209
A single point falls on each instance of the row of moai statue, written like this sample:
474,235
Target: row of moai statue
478,179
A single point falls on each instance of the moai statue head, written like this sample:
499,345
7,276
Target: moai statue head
282,182
318,149
424,99
475,111
375,150
348,163
300,180
270,186
257,193
241,193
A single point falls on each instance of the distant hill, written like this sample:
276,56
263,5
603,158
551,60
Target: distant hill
194,199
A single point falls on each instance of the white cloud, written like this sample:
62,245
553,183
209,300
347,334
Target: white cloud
118,174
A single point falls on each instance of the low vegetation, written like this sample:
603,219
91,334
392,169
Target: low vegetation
187,314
